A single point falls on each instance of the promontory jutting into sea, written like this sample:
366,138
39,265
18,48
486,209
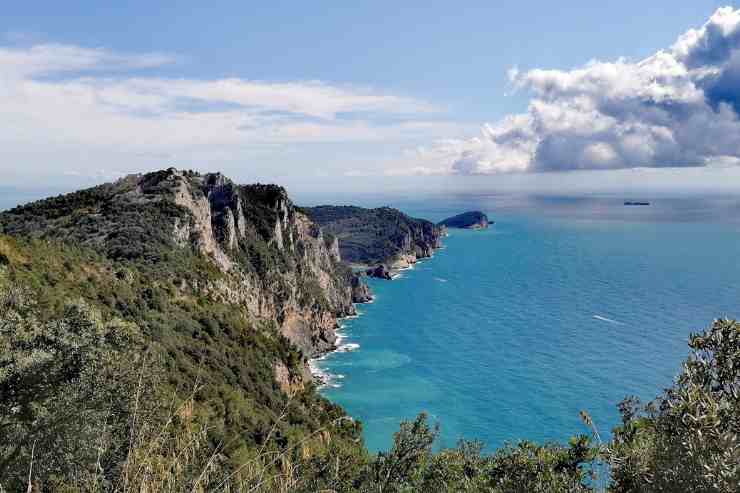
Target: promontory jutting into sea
369,247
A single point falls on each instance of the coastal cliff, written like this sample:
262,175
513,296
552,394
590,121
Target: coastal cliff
226,290
269,258
379,240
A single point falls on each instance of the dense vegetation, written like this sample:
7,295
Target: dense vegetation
373,236
689,438
111,250
195,343
118,374
122,224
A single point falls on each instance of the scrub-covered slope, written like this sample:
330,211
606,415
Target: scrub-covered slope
266,256
230,288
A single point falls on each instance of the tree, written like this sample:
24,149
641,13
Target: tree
689,438
65,389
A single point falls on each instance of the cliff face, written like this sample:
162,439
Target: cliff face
370,237
269,257
303,289
226,290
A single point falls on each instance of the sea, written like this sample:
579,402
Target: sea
565,304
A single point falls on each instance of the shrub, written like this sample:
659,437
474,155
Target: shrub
63,391
689,438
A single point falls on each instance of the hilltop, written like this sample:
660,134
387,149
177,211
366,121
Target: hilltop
263,252
230,287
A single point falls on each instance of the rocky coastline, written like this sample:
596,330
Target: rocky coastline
286,268
387,271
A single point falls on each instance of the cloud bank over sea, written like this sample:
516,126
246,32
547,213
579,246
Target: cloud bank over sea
676,108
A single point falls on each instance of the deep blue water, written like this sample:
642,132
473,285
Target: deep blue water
565,304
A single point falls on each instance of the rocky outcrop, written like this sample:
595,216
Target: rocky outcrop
467,220
360,291
212,278
290,383
381,272
306,297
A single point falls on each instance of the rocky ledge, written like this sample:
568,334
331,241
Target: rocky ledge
360,291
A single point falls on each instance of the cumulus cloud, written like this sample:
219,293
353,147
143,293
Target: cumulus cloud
678,107
76,104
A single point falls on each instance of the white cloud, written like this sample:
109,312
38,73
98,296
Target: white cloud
678,107
74,103
44,59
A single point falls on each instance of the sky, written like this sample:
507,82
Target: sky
368,96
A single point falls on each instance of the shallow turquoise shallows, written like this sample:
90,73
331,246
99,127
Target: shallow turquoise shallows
508,333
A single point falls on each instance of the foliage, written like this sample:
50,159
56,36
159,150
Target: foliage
197,340
63,385
412,466
689,438
118,225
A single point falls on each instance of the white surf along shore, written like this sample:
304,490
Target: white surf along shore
320,375
326,379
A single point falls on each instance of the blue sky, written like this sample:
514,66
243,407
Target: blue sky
350,94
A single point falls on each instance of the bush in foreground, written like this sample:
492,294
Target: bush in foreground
689,438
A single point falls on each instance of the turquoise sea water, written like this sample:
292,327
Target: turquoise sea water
564,304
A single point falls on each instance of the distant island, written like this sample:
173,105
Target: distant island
632,202
467,220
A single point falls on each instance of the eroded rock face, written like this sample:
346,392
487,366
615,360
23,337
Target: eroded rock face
269,258
360,291
303,291
290,383
204,216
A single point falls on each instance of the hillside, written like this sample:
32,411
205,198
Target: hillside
369,237
265,255
231,285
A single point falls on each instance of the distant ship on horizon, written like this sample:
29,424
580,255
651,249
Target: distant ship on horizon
632,202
